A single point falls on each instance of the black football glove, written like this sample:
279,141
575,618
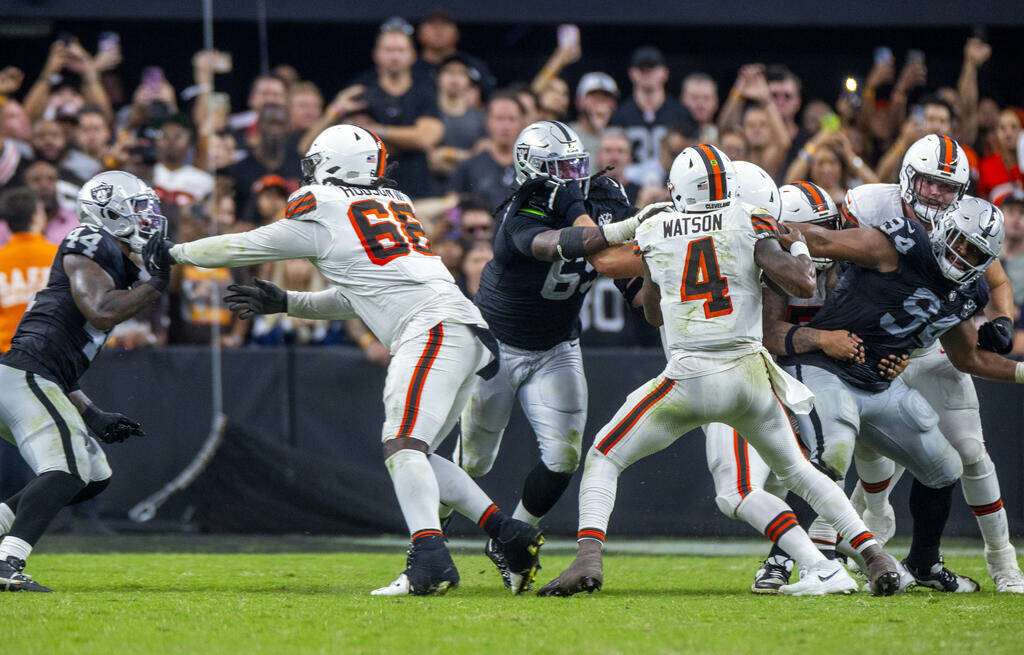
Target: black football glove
264,298
156,256
996,335
560,198
110,427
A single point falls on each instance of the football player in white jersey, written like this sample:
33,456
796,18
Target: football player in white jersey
933,178
702,281
364,238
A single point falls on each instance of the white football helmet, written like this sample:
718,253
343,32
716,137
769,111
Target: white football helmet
122,205
938,159
806,202
755,187
550,149
345,154
968,239
702,179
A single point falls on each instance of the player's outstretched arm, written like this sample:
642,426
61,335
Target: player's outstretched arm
95,295
284,239
265,297
784,338
961,344
794,274
866,247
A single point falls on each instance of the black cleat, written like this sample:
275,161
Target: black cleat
942,579
429,571
516,553
774,573
12,578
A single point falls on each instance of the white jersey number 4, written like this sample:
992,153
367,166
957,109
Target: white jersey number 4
702,279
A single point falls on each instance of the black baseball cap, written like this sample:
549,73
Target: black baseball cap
646,57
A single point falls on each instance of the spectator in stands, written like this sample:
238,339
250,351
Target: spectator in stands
934,116
275,152
751,111
41,177
1000,171
655,174
265,90
175,181
272,193
25,258
305,106
281,329
50,144
733,144
551,91
785,90
438,36
55,91
92,136
478,253
490,174
14,120
829,161
614,151
649,112
464,123
699,95
597,97
403,110
528,100
476,222
1012,256
553,100
450,251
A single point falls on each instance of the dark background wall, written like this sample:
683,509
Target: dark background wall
304,452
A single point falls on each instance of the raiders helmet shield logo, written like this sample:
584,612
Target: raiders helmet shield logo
522,151
102,193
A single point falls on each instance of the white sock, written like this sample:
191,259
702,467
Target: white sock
6,518
981,491
597,492
877,478
822,534
416,488
522,515
772,517
829,501
13,546
458,490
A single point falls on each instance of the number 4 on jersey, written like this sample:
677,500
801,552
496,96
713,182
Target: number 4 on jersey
703,281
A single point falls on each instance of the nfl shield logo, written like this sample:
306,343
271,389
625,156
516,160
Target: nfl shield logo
102,193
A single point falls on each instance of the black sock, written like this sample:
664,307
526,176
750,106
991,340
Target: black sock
13,501
90,491
40,501
492,521
543,488
930,509
778,552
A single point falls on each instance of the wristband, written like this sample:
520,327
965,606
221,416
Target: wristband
789,340
365,340
799,248
621,232
1018,373
570,243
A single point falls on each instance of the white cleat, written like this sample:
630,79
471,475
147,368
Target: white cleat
1002,566
400,587
824,577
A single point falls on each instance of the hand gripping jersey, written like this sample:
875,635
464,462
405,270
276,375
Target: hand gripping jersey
535,305
710,285
893,312
53,339
366,242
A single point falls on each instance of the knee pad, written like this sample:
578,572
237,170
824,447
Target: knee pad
562,456
475,464
948,473
915,412
971,450
980,468
728,503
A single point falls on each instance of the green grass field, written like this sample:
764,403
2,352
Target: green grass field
289,602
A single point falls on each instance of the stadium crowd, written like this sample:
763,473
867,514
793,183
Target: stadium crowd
451,125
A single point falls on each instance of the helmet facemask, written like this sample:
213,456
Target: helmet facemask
146,222
932,207
308,165
961,256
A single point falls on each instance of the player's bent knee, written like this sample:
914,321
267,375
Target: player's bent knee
980,468
948,473
562,457
728,504
396,444
90,491
971,450
475,466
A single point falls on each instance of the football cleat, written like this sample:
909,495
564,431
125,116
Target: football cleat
882,526
774,573
429,571
942,579
12,578
1002,566
586,573
907,579
823,577
882,571
516,553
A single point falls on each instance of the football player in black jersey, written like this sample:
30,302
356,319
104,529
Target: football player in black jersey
93,286
531,294
906,288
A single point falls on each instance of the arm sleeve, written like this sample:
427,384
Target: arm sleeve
522,227
284,239
329,304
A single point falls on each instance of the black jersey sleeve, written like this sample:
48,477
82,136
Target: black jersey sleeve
522,226
910,240
95,244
